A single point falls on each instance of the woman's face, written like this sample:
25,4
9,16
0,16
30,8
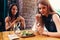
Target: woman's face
14,10
42,9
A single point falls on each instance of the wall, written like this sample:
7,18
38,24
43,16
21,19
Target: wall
28,11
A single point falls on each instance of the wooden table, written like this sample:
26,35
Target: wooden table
0,35
4,36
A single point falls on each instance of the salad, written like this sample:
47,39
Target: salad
27,34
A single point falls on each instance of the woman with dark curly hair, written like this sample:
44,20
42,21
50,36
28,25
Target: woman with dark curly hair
14,18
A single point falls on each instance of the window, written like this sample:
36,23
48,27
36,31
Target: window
55,5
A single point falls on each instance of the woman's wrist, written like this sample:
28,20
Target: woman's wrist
45,33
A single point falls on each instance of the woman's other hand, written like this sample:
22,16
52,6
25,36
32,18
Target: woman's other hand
39,28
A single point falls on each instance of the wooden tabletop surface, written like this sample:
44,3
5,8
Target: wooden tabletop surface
4,36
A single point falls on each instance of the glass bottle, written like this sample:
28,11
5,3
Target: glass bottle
16,28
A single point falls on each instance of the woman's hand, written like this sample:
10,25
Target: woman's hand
39,28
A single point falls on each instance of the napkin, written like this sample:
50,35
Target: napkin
13,37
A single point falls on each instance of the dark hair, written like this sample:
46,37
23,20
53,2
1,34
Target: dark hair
10,13
46,4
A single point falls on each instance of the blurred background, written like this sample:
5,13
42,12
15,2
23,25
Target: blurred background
2,15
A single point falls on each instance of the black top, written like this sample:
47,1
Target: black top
49,24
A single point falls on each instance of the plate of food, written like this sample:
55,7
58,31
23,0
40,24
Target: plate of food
25,34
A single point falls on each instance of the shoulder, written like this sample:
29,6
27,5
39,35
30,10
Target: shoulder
7,19
21,18
54,14
55,17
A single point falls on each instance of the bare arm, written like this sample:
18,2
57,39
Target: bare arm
39,19
38,25
56,20
8,24
22,20
52,34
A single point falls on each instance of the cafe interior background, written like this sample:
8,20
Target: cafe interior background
27,9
